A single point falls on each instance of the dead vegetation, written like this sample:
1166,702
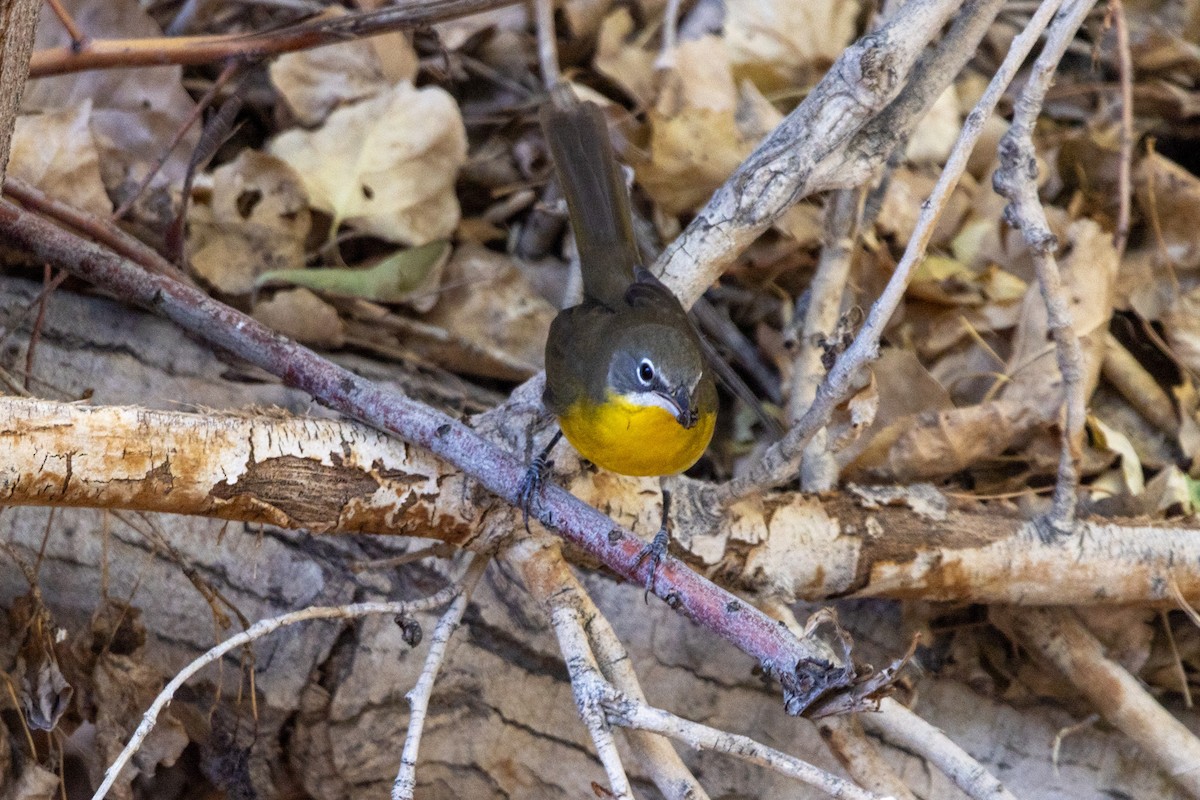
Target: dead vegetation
951,247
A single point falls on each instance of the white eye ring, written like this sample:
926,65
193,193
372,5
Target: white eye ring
646,372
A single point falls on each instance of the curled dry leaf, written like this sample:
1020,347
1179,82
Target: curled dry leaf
387,165
315,82
629,64
303,316
55,152
1169,195
136,112
784,44
702,127
1181,324
257,221
496,323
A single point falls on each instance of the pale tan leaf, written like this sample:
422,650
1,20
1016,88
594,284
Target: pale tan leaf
315,82
257,221
55,151
387,165
301,315
786,43
136,112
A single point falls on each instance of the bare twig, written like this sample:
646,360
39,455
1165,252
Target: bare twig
778,465
901,727
257,631
585,674
185,50
623,711
828,288
844,735
1125,70
101,230
1016,179
198,108
553,584
780,171
1059,636
547,47
418,696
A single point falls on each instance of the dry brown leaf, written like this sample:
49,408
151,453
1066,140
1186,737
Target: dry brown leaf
629,64
933,138
387,165
490,308
35,783
702,127
315,82
934,444
136,112
301,315
257,221
1181,324
784,44
1169,195
123,687
55,152
1089,274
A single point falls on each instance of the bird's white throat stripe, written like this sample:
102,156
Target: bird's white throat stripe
651,399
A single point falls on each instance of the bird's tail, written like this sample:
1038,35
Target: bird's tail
594,186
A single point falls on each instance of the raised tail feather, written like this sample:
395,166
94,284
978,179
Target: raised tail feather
591,180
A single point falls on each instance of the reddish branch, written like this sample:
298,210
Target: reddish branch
799,665
108,53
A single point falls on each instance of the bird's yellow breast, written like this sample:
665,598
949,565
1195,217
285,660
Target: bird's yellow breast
629,439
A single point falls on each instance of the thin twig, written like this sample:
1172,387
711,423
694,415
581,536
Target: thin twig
623,711
100,229
418,696
553,584
903,728
827,290
257,631
198,108
585,674
78,37
192,50
844,735
546,45
1124,166
778,465
1016,179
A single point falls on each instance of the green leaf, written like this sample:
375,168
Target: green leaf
389,281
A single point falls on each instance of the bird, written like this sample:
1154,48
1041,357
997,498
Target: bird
627,376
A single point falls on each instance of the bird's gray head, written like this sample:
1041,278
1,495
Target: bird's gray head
658,365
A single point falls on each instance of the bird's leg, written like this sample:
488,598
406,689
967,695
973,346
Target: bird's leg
657,550
535,475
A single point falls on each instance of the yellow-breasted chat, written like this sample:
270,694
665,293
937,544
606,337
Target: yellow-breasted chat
626,375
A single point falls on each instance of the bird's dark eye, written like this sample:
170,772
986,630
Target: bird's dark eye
646,372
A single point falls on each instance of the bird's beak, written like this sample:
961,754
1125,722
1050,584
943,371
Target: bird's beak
685,411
